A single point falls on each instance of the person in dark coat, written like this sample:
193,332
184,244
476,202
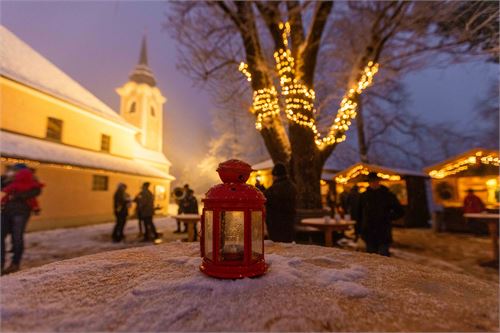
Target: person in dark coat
121,204
281,206
377,208
15,216
352,208
145,207
189,205
180,209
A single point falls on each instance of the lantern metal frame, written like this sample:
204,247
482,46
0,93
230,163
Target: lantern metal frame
249,266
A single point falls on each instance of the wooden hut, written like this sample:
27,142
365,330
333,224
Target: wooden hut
476,169
409,186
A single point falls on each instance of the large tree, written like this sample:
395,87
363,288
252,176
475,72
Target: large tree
307,65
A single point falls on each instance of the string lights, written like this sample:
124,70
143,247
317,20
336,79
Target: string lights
465,163
363,170
299,99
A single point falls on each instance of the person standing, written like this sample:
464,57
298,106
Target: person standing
180,209
377,208
352,209
121,204
190,206
472,203
16,211
145,207
281,199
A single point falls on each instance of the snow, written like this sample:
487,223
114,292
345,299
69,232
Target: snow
20,146
22,63
308,288
43,247
150,155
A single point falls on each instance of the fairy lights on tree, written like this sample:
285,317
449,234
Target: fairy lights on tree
299,99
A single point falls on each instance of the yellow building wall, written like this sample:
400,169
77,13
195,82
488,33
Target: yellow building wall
25,110
67,200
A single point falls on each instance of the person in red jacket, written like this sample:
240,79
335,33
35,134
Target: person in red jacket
472,203
24,181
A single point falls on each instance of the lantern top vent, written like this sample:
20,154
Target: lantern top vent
234,171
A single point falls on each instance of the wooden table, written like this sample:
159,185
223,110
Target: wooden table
492,220
190,220
328,226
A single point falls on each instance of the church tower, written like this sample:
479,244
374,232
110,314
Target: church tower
141,103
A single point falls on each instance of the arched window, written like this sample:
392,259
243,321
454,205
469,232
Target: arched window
132,107
153,111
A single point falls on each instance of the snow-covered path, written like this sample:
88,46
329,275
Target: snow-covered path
308,288
43,247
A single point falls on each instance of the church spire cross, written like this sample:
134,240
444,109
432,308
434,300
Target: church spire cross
143,59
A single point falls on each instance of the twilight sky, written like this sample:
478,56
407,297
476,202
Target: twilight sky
97,43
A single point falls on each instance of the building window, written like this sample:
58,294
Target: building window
160,193
132,107
153,111
105,143
54,129
99,183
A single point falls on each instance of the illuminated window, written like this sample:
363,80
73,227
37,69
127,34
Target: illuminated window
160,192
105,143
54,129
99,183
132,108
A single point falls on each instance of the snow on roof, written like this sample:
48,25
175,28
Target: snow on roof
149,155
24,147
471,152
23,64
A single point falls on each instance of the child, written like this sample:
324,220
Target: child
23,181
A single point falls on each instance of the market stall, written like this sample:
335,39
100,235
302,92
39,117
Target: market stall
408,186
477,170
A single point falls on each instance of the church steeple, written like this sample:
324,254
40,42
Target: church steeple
143,59
142,73
141,103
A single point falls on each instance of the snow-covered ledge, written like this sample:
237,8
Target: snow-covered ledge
309,288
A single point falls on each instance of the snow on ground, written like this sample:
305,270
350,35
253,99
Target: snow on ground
457,253
44,247
308,288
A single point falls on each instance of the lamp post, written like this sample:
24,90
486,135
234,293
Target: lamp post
232,225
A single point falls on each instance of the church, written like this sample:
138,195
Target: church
79,147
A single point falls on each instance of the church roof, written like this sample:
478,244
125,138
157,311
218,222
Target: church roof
35,149
142,73
21,63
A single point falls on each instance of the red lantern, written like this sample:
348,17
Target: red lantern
232,225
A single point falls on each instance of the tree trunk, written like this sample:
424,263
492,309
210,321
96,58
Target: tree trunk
306,167
360,126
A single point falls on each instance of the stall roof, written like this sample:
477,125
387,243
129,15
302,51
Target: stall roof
463,161
383,172
327,174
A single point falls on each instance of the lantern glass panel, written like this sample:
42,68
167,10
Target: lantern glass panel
232,236
257,249
209,218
